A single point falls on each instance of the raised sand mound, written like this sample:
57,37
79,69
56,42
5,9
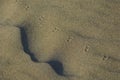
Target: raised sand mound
59,39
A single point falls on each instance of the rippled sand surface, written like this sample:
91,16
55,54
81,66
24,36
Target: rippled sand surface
59,39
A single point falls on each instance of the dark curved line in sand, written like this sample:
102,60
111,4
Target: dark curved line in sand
24,41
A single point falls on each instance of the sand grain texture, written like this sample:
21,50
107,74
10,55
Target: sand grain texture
59,39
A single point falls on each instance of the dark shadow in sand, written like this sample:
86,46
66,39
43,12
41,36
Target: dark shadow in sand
57,66
25,44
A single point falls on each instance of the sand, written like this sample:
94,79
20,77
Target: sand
59,39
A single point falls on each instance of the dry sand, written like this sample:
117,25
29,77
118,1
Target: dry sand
59,39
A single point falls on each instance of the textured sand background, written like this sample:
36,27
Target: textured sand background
59,39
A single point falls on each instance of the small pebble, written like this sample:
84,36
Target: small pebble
27,7
86,48
69,39
55,29
105,57
41,18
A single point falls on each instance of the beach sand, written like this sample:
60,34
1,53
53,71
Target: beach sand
59,40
